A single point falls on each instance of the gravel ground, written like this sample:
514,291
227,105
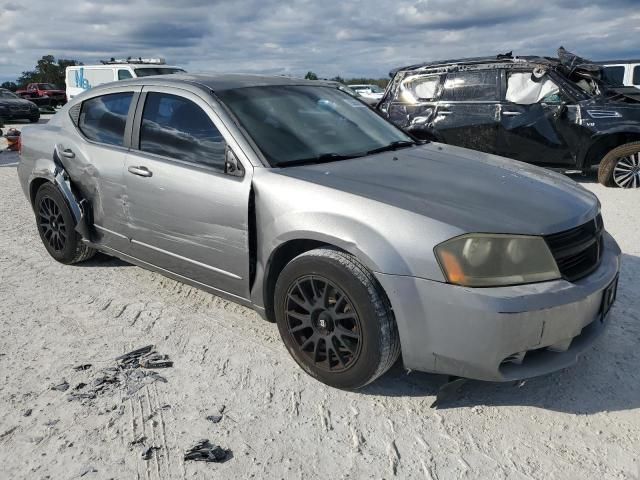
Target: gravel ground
579,423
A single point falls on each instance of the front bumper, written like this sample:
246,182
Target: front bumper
500,334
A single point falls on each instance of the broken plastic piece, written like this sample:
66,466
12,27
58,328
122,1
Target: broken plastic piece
147,453
61,387
131,358
204,451
155,360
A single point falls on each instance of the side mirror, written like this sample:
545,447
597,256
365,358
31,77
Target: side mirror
231,164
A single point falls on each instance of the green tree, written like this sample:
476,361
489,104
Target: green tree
311,76
338,78
47,70
9,86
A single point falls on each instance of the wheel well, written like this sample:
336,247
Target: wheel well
34,187
279,258
603,145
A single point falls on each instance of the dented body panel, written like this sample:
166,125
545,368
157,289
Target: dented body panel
225,233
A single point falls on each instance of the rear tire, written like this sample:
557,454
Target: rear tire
621,167
56,227
335,319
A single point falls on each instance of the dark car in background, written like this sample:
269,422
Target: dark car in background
12,107
552,112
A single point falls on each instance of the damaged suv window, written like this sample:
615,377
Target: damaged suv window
471,86
420,88
524,89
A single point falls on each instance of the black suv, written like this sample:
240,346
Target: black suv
552,112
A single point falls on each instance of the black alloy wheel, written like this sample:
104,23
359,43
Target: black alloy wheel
51,223
322,321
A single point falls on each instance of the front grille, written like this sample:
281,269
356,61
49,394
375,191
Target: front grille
577,251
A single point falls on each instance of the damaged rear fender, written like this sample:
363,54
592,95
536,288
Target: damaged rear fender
53,171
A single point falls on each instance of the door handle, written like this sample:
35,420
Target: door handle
140,171
511,114
67,152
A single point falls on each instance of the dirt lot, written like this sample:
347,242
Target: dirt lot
580,423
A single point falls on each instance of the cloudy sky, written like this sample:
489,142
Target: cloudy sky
330,37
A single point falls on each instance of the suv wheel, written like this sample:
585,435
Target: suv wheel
56,229
334,319
621,167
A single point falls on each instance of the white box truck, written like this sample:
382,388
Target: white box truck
83,77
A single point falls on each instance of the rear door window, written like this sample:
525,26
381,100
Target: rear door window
481,85
124,74
103,119
177,128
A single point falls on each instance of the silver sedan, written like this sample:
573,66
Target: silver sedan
295,199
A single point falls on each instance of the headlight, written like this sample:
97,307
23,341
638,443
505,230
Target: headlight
492,260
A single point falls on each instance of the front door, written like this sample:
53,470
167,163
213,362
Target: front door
186,215
533,123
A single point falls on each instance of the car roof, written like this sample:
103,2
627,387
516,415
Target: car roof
520,60
214,82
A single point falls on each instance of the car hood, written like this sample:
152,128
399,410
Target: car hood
473,191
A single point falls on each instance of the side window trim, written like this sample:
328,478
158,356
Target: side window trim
126,141
215,119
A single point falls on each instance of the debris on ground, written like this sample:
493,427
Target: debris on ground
13,139
61,387
27,412
147,453
139,441
205,451
155,360
214,418
131,373
88,470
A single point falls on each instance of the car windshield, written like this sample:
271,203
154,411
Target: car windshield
293,125
148,71
7,94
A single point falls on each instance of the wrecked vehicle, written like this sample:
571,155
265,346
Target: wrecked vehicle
555,113
293,198
12,107
43,94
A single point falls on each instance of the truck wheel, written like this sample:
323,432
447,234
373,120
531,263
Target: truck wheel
335,319
56,228
35,119
621,167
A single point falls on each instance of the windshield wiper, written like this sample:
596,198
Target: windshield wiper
393,146
322,158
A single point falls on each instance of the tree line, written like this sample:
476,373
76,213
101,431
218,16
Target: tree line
50,70
47,70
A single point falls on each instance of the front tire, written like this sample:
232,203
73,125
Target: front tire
621,167
34,119
335,319
56,227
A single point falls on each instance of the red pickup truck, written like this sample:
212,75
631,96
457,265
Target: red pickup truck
43,94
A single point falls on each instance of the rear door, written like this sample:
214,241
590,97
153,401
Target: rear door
186,215
94,157
467,113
